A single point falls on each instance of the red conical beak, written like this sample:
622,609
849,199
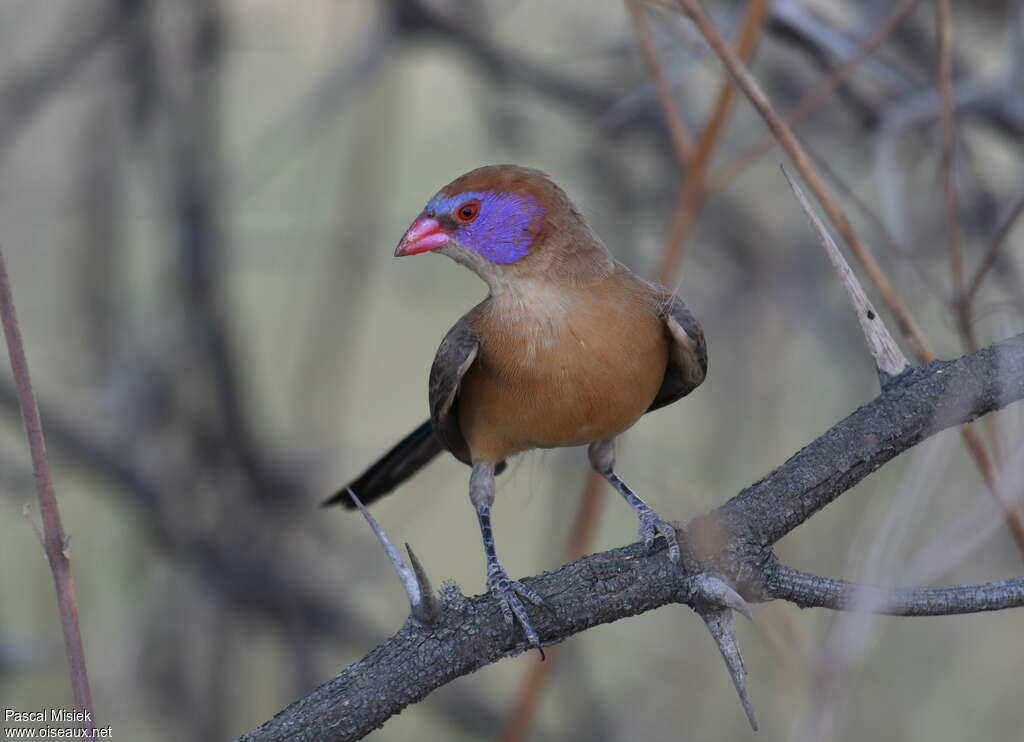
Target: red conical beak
423,234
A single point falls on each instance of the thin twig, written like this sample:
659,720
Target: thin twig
1013,513
889,359
999,236
808,590
678,133
908,327
54,540
694,190
531,691
816,95
944,24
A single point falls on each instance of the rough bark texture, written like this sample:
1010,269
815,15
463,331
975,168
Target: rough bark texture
811,591
733,542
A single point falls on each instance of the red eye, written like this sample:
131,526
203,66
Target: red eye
467,212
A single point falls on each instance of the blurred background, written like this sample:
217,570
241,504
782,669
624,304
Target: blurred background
199,200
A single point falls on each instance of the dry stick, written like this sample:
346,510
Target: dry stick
54,541
678,133
816,96
889,359
1002,231
908,327
944,24
906,324
691,196
964,303
961,308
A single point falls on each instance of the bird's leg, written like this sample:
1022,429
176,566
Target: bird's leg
504,589
652,525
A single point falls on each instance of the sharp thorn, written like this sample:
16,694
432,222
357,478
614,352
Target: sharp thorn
719,623
718,594
889,359
429,608
410,580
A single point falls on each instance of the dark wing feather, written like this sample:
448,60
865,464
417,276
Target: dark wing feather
454,357
687,357
404,459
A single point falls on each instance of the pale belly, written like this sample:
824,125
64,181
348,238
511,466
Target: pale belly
524,394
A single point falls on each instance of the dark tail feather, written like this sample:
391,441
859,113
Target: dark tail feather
406,458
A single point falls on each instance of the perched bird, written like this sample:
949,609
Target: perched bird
570,347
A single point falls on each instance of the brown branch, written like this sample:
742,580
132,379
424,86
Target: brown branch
695,189
733,541
54,540
531,691
944,24
678,134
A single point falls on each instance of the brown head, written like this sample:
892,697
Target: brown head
504,222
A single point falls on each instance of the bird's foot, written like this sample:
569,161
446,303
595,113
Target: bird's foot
507,592
653,525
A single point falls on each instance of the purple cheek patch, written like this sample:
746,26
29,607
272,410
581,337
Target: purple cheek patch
501,232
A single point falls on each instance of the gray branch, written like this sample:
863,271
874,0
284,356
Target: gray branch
811,591
913,407
733,542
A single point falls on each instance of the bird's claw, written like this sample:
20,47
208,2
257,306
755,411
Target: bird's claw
507,592
652,525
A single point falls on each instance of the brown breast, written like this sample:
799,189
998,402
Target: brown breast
562,366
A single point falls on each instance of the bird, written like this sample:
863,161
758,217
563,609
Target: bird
569,348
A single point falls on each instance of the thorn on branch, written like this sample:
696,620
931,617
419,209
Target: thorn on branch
422,603
431,608
719,623
716,593
604,587
714,600
889,359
